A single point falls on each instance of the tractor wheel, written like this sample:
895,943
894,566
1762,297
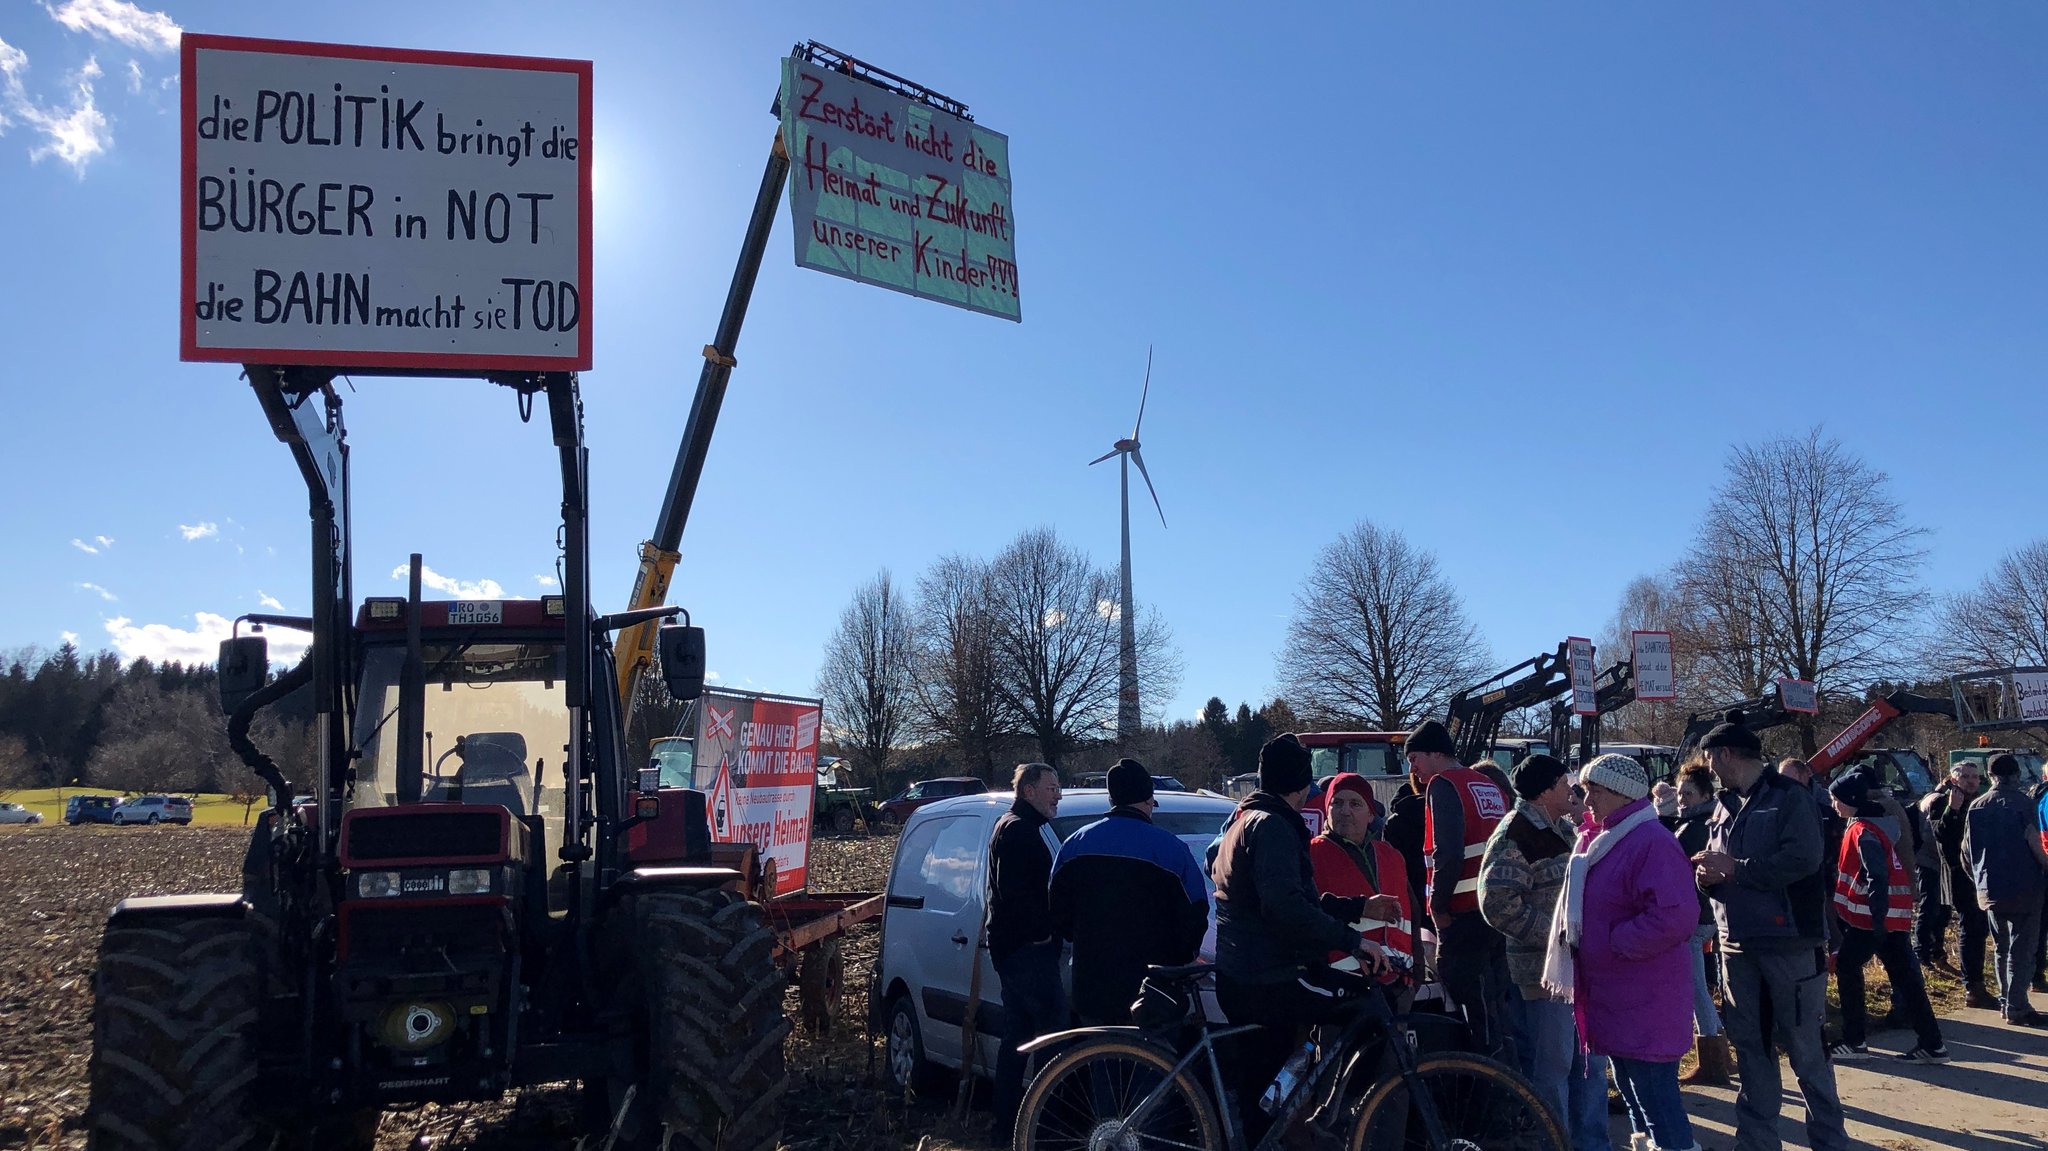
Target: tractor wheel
820,973
714,1003
842,820
174,1037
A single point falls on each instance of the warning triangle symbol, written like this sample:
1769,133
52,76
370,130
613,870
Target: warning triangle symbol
720,801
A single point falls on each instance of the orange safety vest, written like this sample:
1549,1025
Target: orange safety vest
1337,873
1484,807
1853,888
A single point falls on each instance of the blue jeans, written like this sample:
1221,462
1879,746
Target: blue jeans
1655,1108
1703,1012
1573,1083
1034,1003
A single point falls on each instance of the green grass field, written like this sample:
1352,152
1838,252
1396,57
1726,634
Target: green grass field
207,810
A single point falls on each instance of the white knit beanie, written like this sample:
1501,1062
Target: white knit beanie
1619,774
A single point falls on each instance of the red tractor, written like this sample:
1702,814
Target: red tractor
477,895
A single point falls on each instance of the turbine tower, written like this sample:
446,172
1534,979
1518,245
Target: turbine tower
1128,717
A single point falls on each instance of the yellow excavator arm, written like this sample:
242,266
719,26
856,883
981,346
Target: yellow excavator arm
636,643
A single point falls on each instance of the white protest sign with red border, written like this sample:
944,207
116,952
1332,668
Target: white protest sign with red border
1585,691
346,206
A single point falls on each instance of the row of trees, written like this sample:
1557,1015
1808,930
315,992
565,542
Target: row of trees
70,719
982,656
1803,566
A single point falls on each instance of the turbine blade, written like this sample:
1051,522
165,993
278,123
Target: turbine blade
1138,458
1144,394
1106,455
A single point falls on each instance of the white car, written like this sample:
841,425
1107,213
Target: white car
932,920
16,813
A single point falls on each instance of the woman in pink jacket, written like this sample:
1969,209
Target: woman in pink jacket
1618,948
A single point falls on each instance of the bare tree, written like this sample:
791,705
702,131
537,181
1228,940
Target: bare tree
17,767
2004,620
1378,637
866,679
1804,567
959,699
1057,630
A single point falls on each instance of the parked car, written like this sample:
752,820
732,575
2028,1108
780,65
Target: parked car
16,813
1101,779
932,919
897,808
153,809
89,809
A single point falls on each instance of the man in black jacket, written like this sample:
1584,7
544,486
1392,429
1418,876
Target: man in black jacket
1128,895
1272,934
1021,943
1946,809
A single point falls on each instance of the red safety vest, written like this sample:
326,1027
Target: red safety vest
1337,873
1853,889
1484,807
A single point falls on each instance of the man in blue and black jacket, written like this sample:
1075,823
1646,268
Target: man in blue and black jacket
1127,894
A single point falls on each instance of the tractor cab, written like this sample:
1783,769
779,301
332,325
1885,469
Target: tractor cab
494,716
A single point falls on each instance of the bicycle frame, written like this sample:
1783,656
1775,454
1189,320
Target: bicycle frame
1348,1045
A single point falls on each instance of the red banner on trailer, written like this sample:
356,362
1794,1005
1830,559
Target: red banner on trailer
757,763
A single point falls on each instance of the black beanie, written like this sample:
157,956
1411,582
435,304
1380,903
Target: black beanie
1128,783
1536,775
1432,735
1731,733
2003,764
1852,789
1284,766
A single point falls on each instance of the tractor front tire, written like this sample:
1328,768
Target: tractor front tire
174,1037
715,1022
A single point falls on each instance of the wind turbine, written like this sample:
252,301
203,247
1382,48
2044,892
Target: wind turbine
1128,718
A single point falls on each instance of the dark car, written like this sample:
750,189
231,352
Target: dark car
897,808
89,809
1101,779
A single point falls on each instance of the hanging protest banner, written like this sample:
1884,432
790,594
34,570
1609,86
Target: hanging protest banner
1799,695
345,206
1650,656
892,191
757,764
1585,692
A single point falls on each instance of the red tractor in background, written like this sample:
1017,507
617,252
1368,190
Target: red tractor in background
464,905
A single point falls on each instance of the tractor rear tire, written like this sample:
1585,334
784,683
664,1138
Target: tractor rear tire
174,1037
715,1021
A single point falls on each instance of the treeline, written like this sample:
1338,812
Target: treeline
1803,566
68,719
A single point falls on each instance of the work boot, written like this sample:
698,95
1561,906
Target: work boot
1715,1063
1976,996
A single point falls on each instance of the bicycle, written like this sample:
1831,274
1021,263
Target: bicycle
1127,1088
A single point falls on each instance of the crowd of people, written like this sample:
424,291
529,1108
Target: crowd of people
1577,924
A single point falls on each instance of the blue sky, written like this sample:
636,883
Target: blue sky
1506,278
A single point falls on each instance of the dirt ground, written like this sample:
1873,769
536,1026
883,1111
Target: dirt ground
57,882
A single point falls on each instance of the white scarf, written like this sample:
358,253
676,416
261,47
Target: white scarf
1568,922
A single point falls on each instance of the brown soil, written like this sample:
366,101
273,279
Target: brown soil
57,884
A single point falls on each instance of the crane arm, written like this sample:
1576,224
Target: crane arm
1475,713
1873,720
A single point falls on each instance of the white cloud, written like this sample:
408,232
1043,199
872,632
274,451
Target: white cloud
200,531
547,581
74,133
70,637
99,591
710,675
120,22
162,643
98,544
460,589
134,76
1109,609
269,601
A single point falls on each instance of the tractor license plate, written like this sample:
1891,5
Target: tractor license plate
464,612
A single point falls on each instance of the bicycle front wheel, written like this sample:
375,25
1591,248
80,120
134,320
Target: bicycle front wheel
1084,1098
1479,1105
